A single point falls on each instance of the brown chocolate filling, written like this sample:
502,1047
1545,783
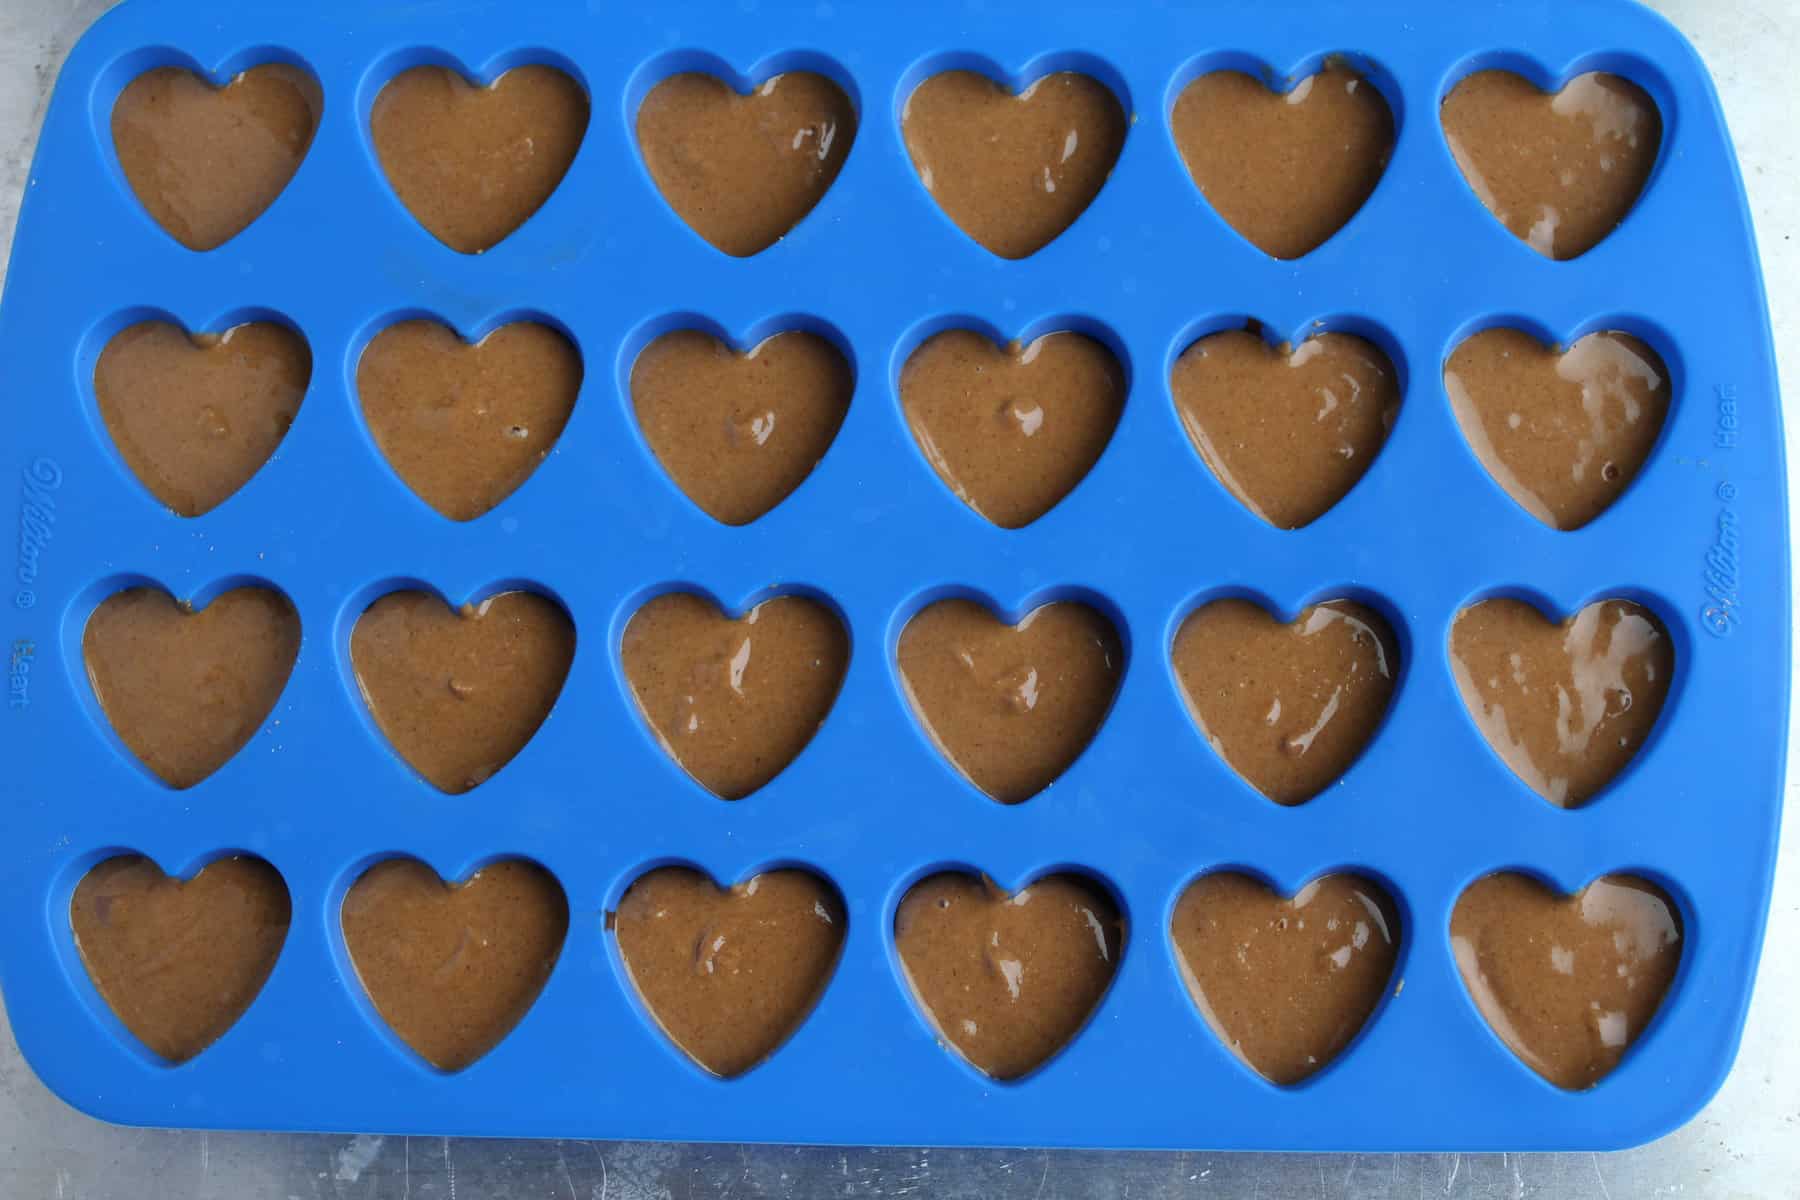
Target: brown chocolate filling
1567,982
179,961
205,161
1008,980
729,974
744,170
452,968
1013,171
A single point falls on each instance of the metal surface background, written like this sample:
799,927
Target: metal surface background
1745,1144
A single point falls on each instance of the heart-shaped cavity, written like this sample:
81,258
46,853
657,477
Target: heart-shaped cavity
1011,430
473,163
1013,171
1284,169
463,424
734,701
744,170
185,689
458,692
1285,981
206,161
1567,982
1011,706
1287,429
1559,170
452,968
729,974
736,431
1564,431
196,415
1289,707
1566,706
179,961
1008,980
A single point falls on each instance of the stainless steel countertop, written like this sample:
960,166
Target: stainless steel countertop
1745,1144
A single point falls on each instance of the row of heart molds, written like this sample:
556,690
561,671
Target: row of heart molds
1342,1044
1604,784
649,74
102,332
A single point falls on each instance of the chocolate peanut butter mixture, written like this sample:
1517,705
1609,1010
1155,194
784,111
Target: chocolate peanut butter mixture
743,170
185,689
465,424
1564,431
1290,707
739,432
452,968
734,701
1008,980
1286,982
204,161
1011,706
1567,982
196,415
1011,430
1284,169
473,163
179,961
458,692
1013,171
1287,429
729,974
1559,170
1566,706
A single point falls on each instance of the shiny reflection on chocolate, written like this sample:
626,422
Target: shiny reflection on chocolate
729,974
1013,171
1008,980
1291,706
179,961
1288,430
1559,170
1566,706
1285,982
1567,982
1011,706
1564,431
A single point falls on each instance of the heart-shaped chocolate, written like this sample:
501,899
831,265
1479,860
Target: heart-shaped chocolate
463,424
729,974
1563,431
1008,980
206,161
179,961
1567,982
196,415
1566,706
473,163
1012,430
452,968
1284,169
1013,171
734,701
1011,706
185,689
739,432
1285,981
458,692
1560,170
1289,707
744,170
1287,429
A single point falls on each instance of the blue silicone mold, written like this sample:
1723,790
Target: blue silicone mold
1700,537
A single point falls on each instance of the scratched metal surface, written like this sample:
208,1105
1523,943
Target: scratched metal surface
1745,1144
